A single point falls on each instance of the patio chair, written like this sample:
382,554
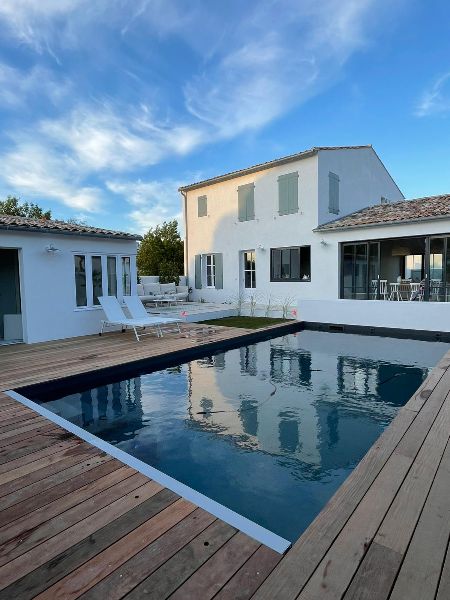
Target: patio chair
138,312
116,317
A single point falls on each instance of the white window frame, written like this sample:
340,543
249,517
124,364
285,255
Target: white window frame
89,287
210,264
251,271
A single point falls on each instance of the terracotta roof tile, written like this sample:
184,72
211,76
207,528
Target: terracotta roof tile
431,207
49,226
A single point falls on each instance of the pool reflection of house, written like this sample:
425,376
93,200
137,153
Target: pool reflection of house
101,409
320,389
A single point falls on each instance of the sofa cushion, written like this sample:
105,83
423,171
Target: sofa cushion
168,288
152,289
140,289
182,289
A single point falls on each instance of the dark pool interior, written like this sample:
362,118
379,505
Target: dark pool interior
271,429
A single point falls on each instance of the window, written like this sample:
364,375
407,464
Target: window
97,275
288,194
202,206
413,267
126,276
97,288
111,267
210,263
80,280
333,193
246,202
249,269
290,264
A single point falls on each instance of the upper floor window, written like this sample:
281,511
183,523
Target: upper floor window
249,269
288,194
202,206
246,202
333,193
290,264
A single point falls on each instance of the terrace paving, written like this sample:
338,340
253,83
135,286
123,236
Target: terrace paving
75,522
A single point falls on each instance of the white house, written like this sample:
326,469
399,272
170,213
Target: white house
253,229
327,224
52,272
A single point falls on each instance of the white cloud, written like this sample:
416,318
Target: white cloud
276,68
152,202
17,87
33,170
100,138
436,100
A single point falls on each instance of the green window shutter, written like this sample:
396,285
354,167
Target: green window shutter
293,193
198,271
333,193
202,206
288,193
218,260
246,202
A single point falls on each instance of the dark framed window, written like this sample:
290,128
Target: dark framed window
290,264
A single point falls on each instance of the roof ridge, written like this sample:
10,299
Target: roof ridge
267,165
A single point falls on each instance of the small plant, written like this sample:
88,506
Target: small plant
269,306
286,304
238,302
252,303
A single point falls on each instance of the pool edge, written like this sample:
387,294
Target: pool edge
250,528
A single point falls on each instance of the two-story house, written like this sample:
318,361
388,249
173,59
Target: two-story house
252,230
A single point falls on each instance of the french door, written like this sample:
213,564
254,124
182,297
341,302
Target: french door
360,276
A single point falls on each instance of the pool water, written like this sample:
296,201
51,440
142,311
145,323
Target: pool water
269,430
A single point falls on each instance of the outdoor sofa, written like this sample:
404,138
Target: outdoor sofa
152,292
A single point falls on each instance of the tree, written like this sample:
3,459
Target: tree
161,252
13,206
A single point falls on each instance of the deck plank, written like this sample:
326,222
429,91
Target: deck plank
82,579
79,553
148,560
419,575
174,572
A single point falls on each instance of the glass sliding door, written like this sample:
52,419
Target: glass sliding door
439,270
376,288
356,259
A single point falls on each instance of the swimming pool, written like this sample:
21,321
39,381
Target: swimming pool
269,430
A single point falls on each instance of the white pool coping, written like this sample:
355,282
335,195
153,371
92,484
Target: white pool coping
257,532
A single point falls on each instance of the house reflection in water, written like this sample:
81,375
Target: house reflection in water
315,397
100,410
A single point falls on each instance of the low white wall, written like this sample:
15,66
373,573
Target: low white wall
424,316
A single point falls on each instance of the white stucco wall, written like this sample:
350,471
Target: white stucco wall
421,316
363,180
48,300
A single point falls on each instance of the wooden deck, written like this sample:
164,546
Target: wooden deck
75,522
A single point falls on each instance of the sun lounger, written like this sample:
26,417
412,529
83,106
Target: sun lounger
116,317
137,311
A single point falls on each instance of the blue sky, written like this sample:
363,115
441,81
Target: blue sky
107,106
